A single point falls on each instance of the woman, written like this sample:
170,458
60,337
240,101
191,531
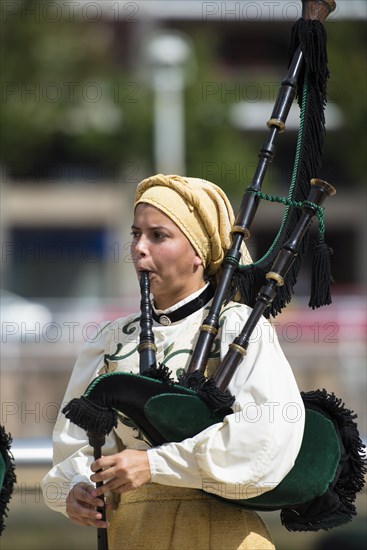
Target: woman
180,233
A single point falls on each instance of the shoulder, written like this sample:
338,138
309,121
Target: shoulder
97,335
241,311
233,317
125,326
234,310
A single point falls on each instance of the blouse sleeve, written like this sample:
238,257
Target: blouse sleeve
72,454
254,448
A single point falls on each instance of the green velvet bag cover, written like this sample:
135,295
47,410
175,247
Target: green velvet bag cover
178,417
318,493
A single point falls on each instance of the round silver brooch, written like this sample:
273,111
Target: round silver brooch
164,320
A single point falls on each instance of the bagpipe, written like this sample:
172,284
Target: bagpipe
320,490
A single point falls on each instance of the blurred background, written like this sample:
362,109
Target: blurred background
97,96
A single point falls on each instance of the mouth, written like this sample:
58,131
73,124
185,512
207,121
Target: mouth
141,270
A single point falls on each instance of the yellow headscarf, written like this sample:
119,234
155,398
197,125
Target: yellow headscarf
199,208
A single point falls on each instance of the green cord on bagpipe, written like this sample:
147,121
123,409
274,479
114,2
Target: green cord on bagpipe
306,79
310,36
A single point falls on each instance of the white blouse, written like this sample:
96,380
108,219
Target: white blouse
246,454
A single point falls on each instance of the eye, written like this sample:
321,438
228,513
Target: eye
135,234
159,236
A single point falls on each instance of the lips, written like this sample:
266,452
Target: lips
141,269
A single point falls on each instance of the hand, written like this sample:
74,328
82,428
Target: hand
81,506
122,472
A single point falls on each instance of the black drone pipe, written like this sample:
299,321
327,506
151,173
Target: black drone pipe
319,191
313,10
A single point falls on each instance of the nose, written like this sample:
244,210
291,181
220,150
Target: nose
139,247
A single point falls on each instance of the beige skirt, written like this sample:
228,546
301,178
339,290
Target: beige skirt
158,517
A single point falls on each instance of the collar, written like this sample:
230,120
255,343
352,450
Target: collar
169,317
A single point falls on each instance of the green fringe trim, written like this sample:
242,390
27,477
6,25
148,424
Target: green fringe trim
160,373
337,506
90,416
216,399
10,478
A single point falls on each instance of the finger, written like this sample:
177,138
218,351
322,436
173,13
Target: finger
112,485
94,501
85,494
82,513
104,475
102,463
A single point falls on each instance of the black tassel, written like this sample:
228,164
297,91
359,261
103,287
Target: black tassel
321,276
337,506
311,37
216,399
247,281
161,373
89,416
9,480
193,380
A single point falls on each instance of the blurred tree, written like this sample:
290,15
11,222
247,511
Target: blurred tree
347,88
216,150
71,102
67,103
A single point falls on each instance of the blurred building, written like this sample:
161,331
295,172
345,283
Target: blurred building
65,220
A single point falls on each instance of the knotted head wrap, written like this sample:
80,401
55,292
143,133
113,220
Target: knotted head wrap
199,208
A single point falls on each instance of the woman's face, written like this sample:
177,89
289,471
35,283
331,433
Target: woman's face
158,246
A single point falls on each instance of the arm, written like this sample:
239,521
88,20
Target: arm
253,449
72,454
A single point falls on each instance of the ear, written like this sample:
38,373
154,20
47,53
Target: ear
197,261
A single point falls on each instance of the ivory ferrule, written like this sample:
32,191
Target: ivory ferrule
328,188
277,123
147,345
237,348
243,230
272,275
208,328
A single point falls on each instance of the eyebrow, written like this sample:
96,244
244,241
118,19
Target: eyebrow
152,227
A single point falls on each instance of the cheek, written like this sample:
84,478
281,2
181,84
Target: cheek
134,257
169,259
188,258
175,258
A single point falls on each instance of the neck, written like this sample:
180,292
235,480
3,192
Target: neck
165,302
